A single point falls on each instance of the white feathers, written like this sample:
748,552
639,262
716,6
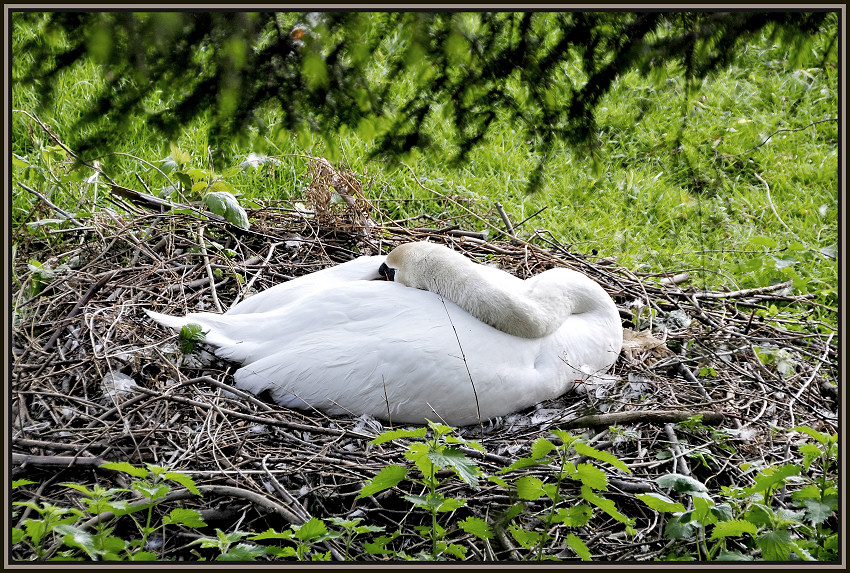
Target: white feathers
344,343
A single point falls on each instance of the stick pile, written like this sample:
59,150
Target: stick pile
94,380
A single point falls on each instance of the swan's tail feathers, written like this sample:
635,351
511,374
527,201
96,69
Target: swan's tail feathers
175,322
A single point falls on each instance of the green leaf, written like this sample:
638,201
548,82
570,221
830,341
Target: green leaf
592,476
477,527
458,551
579,546
498,481
816,511
466,468
605,504
732,528
451,504
682,484
676,528
418,453
21,482
187,517
527,539
521,463
78,538
126,468
732,556
660,502
225,204
574,516
529,488
819,436
541,448
389,435
775,545
312,529
242,552
583,449
388,477
771,477
272,534
763,241
184,480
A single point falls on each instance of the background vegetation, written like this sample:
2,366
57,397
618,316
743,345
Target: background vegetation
706,143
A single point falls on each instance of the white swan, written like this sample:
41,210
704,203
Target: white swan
478,343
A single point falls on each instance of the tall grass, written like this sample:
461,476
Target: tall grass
733,177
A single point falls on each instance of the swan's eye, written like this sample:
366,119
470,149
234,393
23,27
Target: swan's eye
387,272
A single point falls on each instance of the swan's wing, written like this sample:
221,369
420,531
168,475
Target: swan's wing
361,268
385,348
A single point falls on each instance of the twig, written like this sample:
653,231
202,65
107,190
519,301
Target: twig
209,270
641,416
677,452
242,292
465,363
808,382
68,216
766,139
507,221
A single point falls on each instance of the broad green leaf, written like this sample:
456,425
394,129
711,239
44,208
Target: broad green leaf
498,481
660,502
466,468
18,535
519,464
579,546
126,468
676,528
816,511
450,439
77,538
272,534
605,504
388,477
182,516
763,241
184,480
574,516
458,551
541,448
418,454
477,527
592,476
584,450
770,478
389,435
21,482
819,436
682,484
312,529
733,556
529,488
225,204
564,436
527,539
810,452
775,545
733,528
242,552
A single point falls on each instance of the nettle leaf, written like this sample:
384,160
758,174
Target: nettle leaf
242,552
450,439
592,476
184,480
522,463
678,528
126,468
770,478
418,454
272,534
583,449
541,448
466,468
661,503
187,517
819,436
77,538
225,204
682,484
579,546
733,528
477,527
810,453
775,545
21,482
389,435
312,529
388,477
529,488
816,511
526,538
603,503
574,516
733,556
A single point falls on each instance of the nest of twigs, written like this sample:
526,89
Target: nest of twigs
81,333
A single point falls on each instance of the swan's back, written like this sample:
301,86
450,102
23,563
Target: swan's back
342,343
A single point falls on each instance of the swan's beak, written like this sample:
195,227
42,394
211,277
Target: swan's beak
387,272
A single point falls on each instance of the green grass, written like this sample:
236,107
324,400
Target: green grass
663,196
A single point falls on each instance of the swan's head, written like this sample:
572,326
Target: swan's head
418,264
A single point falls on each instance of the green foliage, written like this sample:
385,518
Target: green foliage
747,514
190,335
